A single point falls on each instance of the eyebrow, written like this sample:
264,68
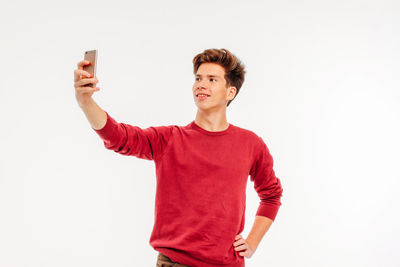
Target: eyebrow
208,75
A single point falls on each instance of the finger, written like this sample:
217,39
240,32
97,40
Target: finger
79,74
80,67
83,63
241,247
87,89
239,242
237,237
84,88
86,81
83,73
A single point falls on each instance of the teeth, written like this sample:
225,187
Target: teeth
202,95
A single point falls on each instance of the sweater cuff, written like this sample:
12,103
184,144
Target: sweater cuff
267,210
107,131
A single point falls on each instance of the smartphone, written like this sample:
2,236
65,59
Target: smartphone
91,56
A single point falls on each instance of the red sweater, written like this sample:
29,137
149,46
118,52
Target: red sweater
201,186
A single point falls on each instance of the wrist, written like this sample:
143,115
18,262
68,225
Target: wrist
86,103
252,243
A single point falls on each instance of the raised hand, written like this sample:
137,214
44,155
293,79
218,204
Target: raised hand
83,79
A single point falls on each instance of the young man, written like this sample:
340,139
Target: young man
202,169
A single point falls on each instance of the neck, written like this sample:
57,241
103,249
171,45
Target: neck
212,121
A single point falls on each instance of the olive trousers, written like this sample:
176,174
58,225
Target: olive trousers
164,261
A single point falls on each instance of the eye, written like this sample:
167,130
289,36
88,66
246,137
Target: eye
196,79
212,79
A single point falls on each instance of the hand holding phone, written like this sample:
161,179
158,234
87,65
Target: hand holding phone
84,78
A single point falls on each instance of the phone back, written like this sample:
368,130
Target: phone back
92,57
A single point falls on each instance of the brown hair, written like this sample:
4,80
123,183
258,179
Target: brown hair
234,68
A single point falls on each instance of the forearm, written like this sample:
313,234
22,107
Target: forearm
260,227
95,115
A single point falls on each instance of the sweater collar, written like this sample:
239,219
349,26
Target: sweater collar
196,127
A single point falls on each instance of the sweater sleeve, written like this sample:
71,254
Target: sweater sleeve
128,140
267,185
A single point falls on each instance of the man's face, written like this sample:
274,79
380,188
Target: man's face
209,80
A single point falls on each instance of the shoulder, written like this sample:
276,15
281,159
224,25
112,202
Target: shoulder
248,134
157,131
171,129
255,141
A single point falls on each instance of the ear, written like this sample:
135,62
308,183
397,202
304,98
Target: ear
231,92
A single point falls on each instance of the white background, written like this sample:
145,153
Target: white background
322,89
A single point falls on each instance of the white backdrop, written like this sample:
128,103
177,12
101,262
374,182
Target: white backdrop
322,89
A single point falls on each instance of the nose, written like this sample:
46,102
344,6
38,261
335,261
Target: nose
201,84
